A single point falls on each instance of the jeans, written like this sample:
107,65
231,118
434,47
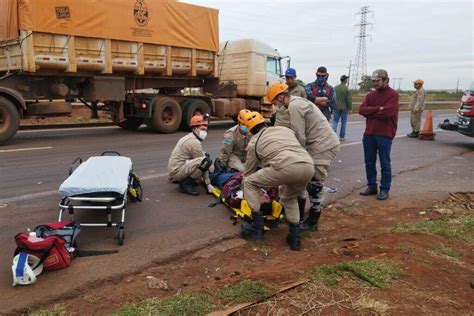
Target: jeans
382,145
343,115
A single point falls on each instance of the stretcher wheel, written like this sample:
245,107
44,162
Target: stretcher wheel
121,235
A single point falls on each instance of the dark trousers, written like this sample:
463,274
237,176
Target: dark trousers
380,145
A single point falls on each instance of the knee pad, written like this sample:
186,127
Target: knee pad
205,164
314,188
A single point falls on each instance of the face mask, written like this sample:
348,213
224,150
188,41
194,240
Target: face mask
280,109
243,129
202,135
320,80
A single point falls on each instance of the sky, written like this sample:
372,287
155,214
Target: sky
417,39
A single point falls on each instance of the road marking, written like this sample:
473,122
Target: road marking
31,196
398,136
23,149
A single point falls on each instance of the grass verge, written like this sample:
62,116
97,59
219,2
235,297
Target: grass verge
446,251
377,273
57,310
243,292
461,228
189,304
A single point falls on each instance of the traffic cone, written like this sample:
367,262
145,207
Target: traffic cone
427,131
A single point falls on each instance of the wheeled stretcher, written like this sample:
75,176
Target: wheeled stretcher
245,212
104,183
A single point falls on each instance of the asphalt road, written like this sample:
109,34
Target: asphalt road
166,224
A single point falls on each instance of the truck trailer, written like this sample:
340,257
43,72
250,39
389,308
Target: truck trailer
131,58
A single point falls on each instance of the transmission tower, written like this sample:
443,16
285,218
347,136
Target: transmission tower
360,65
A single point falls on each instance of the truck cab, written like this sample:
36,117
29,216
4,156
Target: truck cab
464,123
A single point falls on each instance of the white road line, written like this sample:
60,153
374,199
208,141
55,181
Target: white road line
19,198
23,149
398,136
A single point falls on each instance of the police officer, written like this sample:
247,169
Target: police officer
234,150
188,163
316,135
283,161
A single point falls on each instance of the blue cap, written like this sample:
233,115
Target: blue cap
290,72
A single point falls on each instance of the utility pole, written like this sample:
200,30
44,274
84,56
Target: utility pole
457,86
350,66
360,65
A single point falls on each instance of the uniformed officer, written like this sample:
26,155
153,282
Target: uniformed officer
234,149
316,135
283,161
188,163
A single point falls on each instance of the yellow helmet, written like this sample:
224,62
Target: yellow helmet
419,81
275,89
241,116
250,119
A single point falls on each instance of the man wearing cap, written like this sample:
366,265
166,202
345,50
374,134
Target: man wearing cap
380,108
314,133
234,150
343,106
293,87
417,105
188,163
321,93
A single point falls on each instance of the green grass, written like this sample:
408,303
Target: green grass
461,228
245,291
190,304
377,273
446,251
57,310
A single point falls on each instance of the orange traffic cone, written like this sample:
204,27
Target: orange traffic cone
427,131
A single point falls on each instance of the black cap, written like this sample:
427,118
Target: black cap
322,71
344,77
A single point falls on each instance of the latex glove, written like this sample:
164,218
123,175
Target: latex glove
210,188
239,195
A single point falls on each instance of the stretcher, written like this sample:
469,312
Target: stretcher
104,183
245,212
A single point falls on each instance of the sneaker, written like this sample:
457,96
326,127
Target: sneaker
342,139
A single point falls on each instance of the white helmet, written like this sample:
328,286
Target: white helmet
26,268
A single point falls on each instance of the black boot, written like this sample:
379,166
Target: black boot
254,229
370,190
310,224
294,236
186,186
413,134
301,206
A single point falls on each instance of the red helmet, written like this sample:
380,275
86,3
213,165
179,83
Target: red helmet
198,120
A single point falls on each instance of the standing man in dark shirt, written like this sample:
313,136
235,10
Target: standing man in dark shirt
321,92
380,108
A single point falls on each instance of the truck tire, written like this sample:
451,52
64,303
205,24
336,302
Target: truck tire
166,115
9,120
190,107
131,123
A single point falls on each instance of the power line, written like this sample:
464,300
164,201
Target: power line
360,65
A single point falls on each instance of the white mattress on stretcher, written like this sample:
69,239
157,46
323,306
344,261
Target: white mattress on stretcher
98,174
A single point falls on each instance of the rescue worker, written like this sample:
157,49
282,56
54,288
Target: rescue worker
234,151
321,93
315,134
188,163
417,105
284,162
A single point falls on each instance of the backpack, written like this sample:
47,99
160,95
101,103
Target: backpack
54,244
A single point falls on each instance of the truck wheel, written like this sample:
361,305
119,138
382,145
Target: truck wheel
9,120
166,115
131,123
191,107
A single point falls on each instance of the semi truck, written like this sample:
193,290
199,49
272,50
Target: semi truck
131,58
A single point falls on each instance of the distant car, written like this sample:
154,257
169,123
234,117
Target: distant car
465,119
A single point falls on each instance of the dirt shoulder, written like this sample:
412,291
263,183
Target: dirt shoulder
410,254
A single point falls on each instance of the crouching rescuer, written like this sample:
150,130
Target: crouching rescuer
283,161
189,164
313,132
